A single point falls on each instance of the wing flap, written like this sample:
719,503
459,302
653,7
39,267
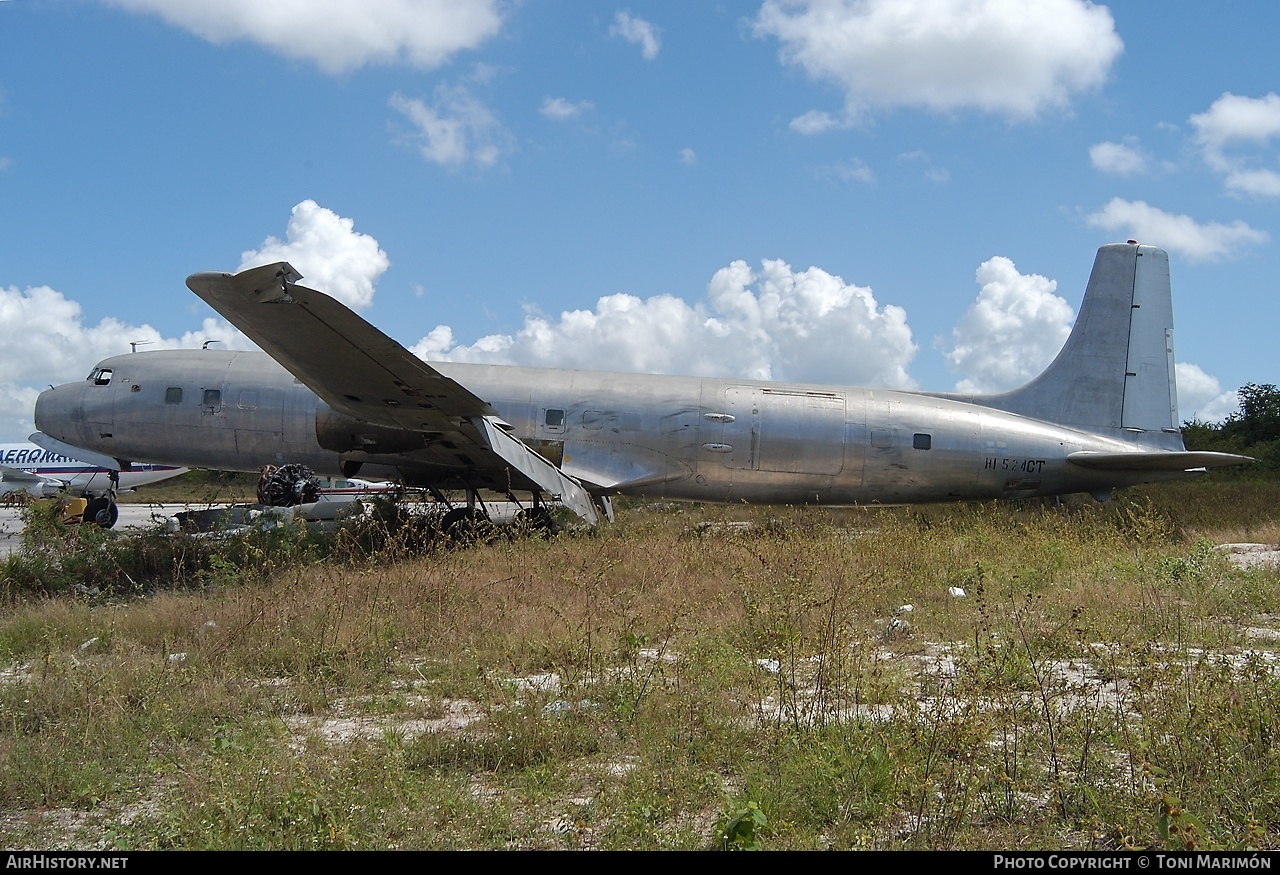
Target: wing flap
565,488
1155,461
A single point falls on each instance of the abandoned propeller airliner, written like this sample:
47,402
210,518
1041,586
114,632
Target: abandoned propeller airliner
333,393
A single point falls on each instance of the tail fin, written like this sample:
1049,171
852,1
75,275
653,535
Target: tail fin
1115,373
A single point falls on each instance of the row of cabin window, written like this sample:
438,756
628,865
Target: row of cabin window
213,398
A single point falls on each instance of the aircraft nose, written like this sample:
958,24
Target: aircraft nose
43,408
60,413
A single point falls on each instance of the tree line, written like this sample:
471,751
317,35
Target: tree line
1253,430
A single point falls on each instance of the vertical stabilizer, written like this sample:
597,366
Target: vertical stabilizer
1115,373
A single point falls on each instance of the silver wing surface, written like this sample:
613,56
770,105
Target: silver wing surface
364,374
53,445
17,480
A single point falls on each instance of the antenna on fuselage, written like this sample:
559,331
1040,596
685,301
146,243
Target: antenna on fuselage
134,344
205,345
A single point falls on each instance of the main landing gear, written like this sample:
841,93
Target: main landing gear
465,524
102,511
537,520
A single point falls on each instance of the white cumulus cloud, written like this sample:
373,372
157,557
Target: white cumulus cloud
1260,182
330,254
1200,395
44,340
457,129
775,323
1011,332
1010,59
338,35
1235,119
815,121
1123,159
559,109
1235,136
851,170
636,30
1180,233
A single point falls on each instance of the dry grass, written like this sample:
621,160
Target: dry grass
641,685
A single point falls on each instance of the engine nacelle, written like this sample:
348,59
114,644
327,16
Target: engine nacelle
344,434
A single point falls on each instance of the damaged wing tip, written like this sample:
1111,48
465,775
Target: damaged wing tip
278,275
286,272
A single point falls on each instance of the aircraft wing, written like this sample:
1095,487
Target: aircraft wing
352,365
17,475
53,445
363,373
17,480
1155,461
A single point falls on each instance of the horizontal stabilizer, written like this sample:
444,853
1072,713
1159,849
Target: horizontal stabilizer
1155,461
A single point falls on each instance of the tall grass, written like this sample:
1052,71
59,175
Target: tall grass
811,680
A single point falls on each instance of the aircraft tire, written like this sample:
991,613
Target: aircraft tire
463,524
536,521
102,511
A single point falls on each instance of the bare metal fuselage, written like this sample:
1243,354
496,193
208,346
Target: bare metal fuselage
335,393
681,438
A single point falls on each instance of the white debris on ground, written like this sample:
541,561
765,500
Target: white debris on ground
548,682
1251,555
896,628
455,714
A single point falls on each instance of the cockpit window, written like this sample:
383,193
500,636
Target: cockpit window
101,376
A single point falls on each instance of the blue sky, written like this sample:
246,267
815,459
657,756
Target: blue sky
885,192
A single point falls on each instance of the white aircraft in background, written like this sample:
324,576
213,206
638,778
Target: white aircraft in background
341,488
44,473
